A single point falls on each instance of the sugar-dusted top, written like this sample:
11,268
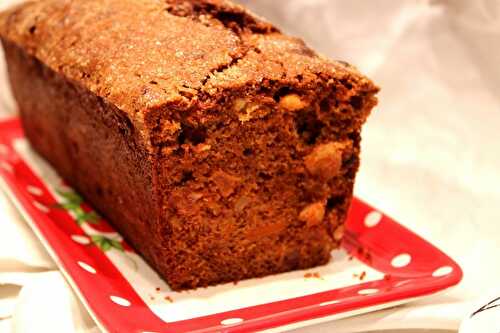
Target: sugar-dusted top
139,54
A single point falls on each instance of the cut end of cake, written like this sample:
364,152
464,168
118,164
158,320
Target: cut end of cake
269,180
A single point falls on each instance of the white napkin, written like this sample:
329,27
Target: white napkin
47,304
430,156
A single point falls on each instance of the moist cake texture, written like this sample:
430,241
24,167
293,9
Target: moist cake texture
219,147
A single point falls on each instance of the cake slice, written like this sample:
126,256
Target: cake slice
220,148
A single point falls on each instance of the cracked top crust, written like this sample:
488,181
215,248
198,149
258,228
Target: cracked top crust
145,54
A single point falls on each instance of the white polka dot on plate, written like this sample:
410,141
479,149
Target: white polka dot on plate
330,302
120,301
41,207
372,219
34,190
6,166
368,291
401,260
442,271
87,267
231,321
84,240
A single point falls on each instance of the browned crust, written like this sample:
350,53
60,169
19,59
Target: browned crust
140,55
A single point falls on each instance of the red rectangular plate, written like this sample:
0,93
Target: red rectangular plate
381,264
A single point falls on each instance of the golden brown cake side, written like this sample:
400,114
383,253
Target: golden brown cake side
219,147
90,143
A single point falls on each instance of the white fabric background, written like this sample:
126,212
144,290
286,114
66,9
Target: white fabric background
430,157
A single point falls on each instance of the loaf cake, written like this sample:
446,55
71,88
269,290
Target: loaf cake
219,147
